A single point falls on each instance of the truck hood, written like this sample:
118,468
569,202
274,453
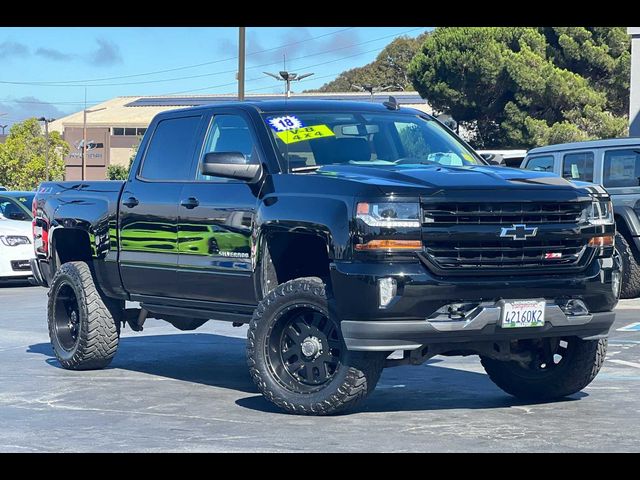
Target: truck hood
392,179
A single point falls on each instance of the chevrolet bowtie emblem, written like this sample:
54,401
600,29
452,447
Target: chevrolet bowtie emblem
518,232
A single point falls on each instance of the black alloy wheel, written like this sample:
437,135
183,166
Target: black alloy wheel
304,349
67,316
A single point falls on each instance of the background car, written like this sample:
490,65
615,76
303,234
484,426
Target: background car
614,164
16,247
2,189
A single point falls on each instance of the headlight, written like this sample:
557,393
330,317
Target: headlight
600,213
389,215
14,240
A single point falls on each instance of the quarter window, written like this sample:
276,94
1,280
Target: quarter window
622,168
578,166
170,151
540,164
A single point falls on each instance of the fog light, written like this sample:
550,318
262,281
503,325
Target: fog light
616,283
387,289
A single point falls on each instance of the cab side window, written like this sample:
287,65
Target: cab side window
169,155
622,168
578,166
228,133
540,164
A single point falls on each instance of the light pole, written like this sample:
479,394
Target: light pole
288,77
368,87
3,127
46,121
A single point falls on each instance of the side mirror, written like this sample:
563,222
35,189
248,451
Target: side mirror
231,165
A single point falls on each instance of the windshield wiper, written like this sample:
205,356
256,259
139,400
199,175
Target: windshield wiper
309,168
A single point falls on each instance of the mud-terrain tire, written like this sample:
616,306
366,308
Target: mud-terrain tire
580,363
294,324
83,332
630,268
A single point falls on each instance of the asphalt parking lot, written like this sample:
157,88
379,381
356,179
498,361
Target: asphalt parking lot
168,390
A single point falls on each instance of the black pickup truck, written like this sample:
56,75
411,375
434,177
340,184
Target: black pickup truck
341,232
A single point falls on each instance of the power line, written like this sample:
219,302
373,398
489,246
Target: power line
94,102
67,84
176,68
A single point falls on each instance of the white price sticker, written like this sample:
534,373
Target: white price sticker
282,124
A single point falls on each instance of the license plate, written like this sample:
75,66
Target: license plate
523,313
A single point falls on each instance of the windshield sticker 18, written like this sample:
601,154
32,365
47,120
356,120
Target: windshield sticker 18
282,124
305,133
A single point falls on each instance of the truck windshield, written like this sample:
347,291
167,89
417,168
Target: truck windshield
310,140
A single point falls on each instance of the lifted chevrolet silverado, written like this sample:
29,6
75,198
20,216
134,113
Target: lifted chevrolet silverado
341,232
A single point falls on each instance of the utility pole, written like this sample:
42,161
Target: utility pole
241,58
46,121
288,77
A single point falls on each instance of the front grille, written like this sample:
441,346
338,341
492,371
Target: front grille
20,266
509,254
502,213
465,237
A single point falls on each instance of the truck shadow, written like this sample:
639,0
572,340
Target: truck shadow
219,361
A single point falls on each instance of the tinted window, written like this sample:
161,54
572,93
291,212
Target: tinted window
118,131
13,210
229,133
169,154
578,166
540,164
622,168
141,131
130,131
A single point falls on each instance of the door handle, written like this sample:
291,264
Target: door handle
190,203
131,202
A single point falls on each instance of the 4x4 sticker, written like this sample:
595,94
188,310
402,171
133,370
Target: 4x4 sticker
282,124
305,133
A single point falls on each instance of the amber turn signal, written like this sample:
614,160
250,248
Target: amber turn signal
390,245
603,241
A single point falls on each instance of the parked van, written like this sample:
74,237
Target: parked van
614,164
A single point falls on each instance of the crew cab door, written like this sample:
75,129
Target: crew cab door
215,217
149,207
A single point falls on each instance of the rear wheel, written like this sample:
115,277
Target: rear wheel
297,356
558,367
83,332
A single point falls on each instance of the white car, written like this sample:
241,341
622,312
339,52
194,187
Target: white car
16,249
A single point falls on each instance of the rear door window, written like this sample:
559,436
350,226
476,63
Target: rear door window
622,168
540,164
170,152
578,166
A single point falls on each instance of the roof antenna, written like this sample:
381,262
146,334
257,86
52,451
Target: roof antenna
392,103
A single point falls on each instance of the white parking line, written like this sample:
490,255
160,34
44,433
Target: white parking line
624,362
632,327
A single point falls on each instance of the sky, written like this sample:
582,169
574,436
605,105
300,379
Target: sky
44,71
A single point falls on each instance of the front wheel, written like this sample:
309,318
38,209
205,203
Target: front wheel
558,367
297,356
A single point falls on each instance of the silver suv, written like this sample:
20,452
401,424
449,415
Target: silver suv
614,164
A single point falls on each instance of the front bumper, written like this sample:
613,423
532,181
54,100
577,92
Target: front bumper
410,320
14,261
